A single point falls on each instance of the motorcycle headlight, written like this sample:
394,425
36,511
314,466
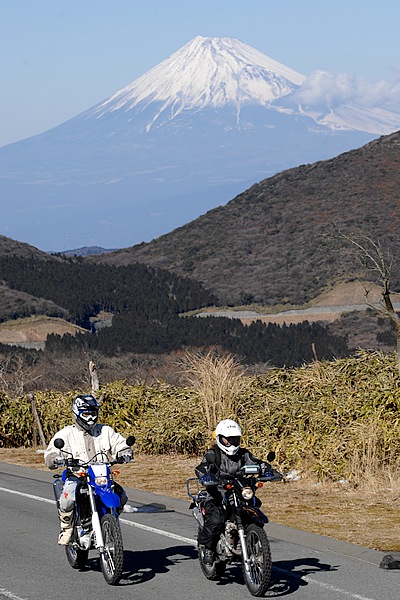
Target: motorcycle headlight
247,493
100,480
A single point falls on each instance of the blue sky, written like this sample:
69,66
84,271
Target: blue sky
60,57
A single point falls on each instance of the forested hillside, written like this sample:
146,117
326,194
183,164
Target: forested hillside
273,243
147,304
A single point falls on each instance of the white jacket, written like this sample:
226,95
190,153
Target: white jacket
103,438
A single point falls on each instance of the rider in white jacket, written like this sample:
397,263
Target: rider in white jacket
84,439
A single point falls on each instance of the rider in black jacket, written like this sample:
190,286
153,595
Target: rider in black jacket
222,461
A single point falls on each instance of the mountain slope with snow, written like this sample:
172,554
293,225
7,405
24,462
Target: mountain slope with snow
190,134
207,72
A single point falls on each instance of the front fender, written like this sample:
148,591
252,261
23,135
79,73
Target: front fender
254,514
109,498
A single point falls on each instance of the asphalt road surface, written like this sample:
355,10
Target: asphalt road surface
161,558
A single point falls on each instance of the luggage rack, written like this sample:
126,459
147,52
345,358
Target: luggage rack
195,489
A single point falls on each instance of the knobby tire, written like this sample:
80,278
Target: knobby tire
258,578
112,558
77,557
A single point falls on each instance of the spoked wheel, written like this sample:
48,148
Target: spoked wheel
112,558
214,571
258,577
76,557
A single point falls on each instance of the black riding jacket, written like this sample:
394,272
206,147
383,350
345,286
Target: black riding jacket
224,466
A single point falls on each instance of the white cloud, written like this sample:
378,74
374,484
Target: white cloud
323,88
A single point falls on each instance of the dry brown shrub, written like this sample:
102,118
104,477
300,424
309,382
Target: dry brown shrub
219,382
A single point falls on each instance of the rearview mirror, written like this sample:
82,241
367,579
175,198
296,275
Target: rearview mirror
59,443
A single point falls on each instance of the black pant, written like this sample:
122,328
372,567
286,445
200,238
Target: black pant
213,524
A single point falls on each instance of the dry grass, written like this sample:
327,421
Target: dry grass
218,381
368,516
334,421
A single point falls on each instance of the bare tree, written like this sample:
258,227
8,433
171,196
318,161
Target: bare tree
16,376
374,257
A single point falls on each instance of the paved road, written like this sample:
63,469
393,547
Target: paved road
312,313
160,555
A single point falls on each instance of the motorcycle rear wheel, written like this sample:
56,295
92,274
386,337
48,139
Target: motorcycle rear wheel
258,578
76,557
214,571
112,558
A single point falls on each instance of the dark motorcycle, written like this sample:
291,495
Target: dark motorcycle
243,539
96,521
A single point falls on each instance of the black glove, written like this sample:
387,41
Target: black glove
265,468
209,479
126,458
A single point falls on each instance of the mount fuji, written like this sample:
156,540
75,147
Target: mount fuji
190,134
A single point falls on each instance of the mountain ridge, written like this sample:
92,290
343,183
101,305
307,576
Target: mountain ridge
274,243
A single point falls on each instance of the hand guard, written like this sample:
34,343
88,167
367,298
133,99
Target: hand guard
271,475
209,479
59,461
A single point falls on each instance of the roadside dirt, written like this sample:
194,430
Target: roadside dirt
328,307
366,517
35,329
344,297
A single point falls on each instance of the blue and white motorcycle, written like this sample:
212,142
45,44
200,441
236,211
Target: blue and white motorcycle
96,522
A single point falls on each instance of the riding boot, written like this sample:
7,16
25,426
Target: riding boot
66,521
208,556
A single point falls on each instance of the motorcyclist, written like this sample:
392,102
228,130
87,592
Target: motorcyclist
222,461
84,439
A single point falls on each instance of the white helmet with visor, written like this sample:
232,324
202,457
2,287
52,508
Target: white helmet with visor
228,435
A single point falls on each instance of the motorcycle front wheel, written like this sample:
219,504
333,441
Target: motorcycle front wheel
112,557
258,576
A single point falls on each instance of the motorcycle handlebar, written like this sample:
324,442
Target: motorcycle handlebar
274,476
269,476
70,461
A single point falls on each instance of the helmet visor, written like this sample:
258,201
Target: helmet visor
232,440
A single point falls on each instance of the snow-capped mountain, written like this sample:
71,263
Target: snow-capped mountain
207,72
191,133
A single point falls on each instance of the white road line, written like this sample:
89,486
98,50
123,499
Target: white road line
27,495
8,594
187,541
333,588
174,536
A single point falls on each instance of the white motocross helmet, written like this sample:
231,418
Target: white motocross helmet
227,434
